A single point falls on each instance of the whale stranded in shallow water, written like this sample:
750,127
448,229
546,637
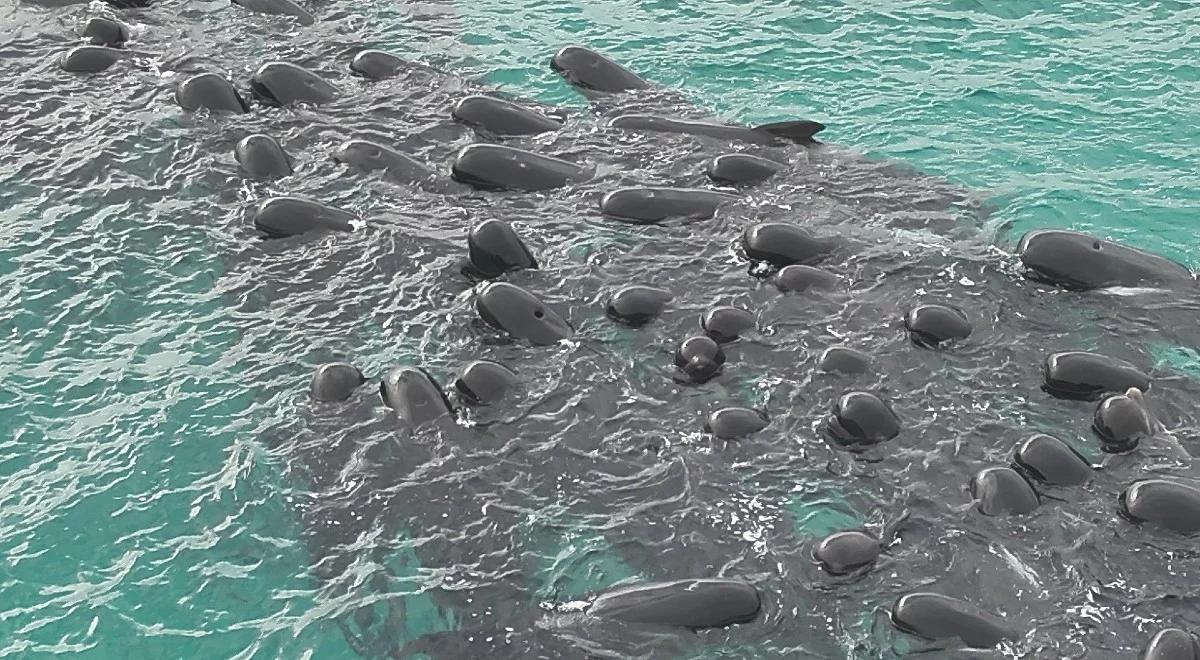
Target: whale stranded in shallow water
800,132
1002,491
261,157
741,169
1073,260
493,249
210,91
497,167
335,381
647,206
932,326
734,422
372,156
592,73
1171,505
846,552
485,383
284,83
596,76
844,360
1083,375
1122,421
414,395
376,64
279,217
725,324
799,278
781,244
861,419
518,312
936,617
699,358
90,59
1171,644
106,32
494,116
706,603
1051,461
636,305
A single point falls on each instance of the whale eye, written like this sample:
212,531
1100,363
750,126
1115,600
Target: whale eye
1096,245
537,314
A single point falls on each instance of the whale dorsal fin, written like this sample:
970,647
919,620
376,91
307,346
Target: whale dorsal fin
800,131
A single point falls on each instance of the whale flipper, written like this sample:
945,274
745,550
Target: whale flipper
800,131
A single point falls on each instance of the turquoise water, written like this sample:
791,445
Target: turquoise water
139,516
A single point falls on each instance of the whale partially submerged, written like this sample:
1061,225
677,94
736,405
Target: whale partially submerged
1074,260
706,603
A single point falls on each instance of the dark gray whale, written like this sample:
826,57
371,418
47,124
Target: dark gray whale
1086,375
652,205
501,117
335,381
1051,461
741,169
594,73
861,419
496,167
372,156
518,312
726,323
1172,644
278,217
1169,504
1002,491
848,551
261,157
800,132
636,305
284,83
376,64
414,395
735,422
935,616
211,91
1075,260
90,59
484,383
493,249
106,32
708,603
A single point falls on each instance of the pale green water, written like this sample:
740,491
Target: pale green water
138,515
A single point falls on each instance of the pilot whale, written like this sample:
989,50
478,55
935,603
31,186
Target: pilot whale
1074,260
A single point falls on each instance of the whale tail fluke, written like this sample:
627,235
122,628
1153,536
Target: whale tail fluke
800,131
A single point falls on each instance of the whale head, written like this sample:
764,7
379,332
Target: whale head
1074,260
592,72
414,395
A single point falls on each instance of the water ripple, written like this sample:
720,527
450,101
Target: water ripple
169,490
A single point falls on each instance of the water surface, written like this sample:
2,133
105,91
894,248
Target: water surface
170,492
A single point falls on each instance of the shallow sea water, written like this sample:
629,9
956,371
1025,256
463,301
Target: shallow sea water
169,491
